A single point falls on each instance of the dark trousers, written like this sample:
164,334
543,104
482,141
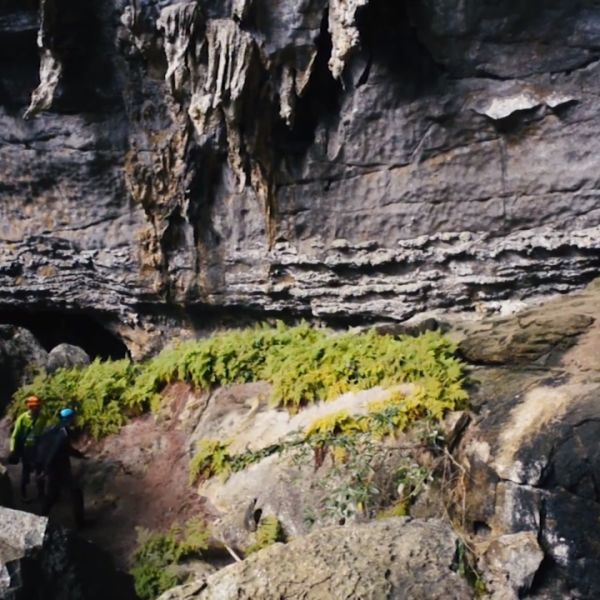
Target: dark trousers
56,481
27,468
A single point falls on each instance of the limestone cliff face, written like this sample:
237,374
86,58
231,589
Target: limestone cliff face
350,159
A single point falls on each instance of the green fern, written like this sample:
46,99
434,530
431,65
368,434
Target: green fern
303,364
157,552
268,532
335,423
211,458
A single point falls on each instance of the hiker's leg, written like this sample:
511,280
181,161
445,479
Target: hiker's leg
77,504
25,476
76,500
52,492
40,484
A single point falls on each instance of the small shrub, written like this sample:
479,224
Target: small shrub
268,532
211,458
157,552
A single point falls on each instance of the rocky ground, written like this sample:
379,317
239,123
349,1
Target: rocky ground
520,489
168,167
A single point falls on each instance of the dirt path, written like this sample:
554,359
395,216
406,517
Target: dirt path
138,478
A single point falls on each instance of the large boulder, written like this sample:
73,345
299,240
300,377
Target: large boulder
20,355
396,558
531,458
65,356
287,484
39,561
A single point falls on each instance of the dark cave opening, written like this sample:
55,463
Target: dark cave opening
54,327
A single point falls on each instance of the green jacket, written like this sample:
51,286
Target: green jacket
25,432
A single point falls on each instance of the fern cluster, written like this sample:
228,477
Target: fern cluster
237,356
305,364
387,417
268,532
335,423
302,363
157,553
212,458
98,393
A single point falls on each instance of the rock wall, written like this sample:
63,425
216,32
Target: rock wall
360,160
531,496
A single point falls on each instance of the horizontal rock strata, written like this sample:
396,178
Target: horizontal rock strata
346,160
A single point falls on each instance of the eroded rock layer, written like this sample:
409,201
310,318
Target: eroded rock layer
344,160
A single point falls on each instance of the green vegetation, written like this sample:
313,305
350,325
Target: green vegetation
302,363
268,532
340,433
400,509
335,423
211,458
98,393
157,554
366,478
466,566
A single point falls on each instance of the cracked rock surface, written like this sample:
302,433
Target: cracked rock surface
531,458
363,160
396,558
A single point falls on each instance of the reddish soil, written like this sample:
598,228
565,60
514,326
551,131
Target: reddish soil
137,478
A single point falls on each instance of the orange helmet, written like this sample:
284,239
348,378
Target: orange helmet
33,402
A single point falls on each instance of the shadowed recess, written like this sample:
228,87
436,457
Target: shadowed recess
54,327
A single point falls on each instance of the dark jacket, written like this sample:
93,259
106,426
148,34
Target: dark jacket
54,449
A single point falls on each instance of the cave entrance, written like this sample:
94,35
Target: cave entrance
55,327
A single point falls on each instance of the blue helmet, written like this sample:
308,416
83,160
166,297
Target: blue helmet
66,414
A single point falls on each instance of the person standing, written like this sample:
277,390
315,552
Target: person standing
23,443
55,451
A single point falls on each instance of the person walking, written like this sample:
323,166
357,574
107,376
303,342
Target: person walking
55,451
23,444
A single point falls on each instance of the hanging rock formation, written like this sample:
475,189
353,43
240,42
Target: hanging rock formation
359,160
